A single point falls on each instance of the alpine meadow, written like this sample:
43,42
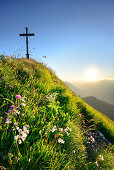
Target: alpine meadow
44,125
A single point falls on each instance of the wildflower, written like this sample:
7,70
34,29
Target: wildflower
10,130
60,129
45,133
19,141
15,110
15,123
9,111
17,127
12,107
67,133
23,114
101,157
92,139
16,137
80,115
18,112
55,136
8,120
23,99
96,163
18,96
53,129
23,104
66,130
13,128
19,108
17,159
10,86
6,113
10,162
61,140
74,151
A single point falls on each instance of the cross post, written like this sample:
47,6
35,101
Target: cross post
26,34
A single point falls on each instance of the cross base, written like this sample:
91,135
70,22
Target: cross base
27,56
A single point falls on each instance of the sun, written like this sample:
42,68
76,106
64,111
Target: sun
91,75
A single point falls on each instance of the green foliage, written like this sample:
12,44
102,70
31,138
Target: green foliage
44,130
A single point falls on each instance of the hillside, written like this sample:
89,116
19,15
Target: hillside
103,90
44,125
101,106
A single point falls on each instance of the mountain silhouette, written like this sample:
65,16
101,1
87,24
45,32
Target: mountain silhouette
101,106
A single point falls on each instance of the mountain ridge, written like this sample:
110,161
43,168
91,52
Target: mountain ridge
101,106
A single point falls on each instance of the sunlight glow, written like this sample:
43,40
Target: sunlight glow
91,75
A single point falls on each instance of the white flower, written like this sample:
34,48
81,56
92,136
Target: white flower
19,141
92,139
13,128
96,163
67,133
66,130
17,127
23,138
101,157
16,137
24,128
23,100
69,128
53,129
23,104
61,140
18,112
60,129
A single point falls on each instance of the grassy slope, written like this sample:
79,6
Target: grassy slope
49,102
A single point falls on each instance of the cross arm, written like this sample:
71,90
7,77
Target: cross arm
30,34
22,34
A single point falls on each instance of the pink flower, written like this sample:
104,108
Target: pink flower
80,115
10,86
9,110
18,96
15,123
12,107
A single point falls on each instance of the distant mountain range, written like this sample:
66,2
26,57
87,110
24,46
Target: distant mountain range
99,95
101,106
103,90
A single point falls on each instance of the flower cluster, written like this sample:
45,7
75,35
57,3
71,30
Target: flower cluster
59,132
14,110
22,133
11,116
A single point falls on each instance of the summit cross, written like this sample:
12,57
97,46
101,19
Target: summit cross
26,34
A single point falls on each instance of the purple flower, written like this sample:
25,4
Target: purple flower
9,110
19,108
80,115
10,130
6,113
10,86
12,107
18,96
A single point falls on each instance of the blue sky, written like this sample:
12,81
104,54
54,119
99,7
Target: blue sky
75,35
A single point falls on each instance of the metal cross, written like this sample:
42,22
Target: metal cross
26,34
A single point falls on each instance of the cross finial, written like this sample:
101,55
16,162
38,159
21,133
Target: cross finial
26,34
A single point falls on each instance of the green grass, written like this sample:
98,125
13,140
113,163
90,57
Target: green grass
49,106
